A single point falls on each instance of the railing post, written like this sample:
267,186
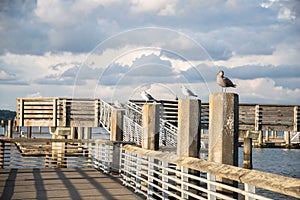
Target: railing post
189,127
223,129
116,130
165,179
54,114
251,189
296,118
150,138
287,135
29,131
248,153
258,125
267,135
2,154
9,129
211,187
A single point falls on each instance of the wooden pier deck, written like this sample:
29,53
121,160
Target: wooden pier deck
61,183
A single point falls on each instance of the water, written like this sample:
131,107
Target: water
284,162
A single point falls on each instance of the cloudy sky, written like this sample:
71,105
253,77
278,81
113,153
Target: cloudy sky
113,49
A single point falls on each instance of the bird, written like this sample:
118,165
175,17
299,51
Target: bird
187,92
223,81
146,96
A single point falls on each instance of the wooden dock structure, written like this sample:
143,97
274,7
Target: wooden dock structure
139,149
62,183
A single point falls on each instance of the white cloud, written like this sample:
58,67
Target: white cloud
264,90
282,55
286,14
163,7
234,33
5,76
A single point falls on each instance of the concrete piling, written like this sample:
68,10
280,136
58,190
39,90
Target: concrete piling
189,127
223,132
116,126
150,137
223,128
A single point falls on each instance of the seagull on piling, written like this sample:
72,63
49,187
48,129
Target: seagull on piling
146,96
223,81
187,92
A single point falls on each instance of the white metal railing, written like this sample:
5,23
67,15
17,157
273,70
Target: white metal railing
161,175
295,137
105,114
61,153
134,112
168,134
132,131
132,127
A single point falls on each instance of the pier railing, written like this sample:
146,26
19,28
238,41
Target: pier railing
154,174
88,112
132,123
56,153
62,112
161,175
251,116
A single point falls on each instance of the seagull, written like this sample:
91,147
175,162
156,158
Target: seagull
224,82
187,92
146,96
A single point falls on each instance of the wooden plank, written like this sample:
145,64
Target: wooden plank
38,107
37,122
64,183
38,116
33,112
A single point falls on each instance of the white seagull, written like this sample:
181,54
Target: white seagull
187,92
223,81
146,96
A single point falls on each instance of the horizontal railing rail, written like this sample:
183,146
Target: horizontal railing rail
161,175
64,112
61,153
88,112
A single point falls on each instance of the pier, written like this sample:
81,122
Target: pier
153,147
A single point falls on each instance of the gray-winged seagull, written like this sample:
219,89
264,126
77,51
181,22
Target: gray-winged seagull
146,96
224,82
187,92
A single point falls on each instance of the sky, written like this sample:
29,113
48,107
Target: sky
114,49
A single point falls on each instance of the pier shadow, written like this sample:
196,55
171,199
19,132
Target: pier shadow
68,184
41,192
9,185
